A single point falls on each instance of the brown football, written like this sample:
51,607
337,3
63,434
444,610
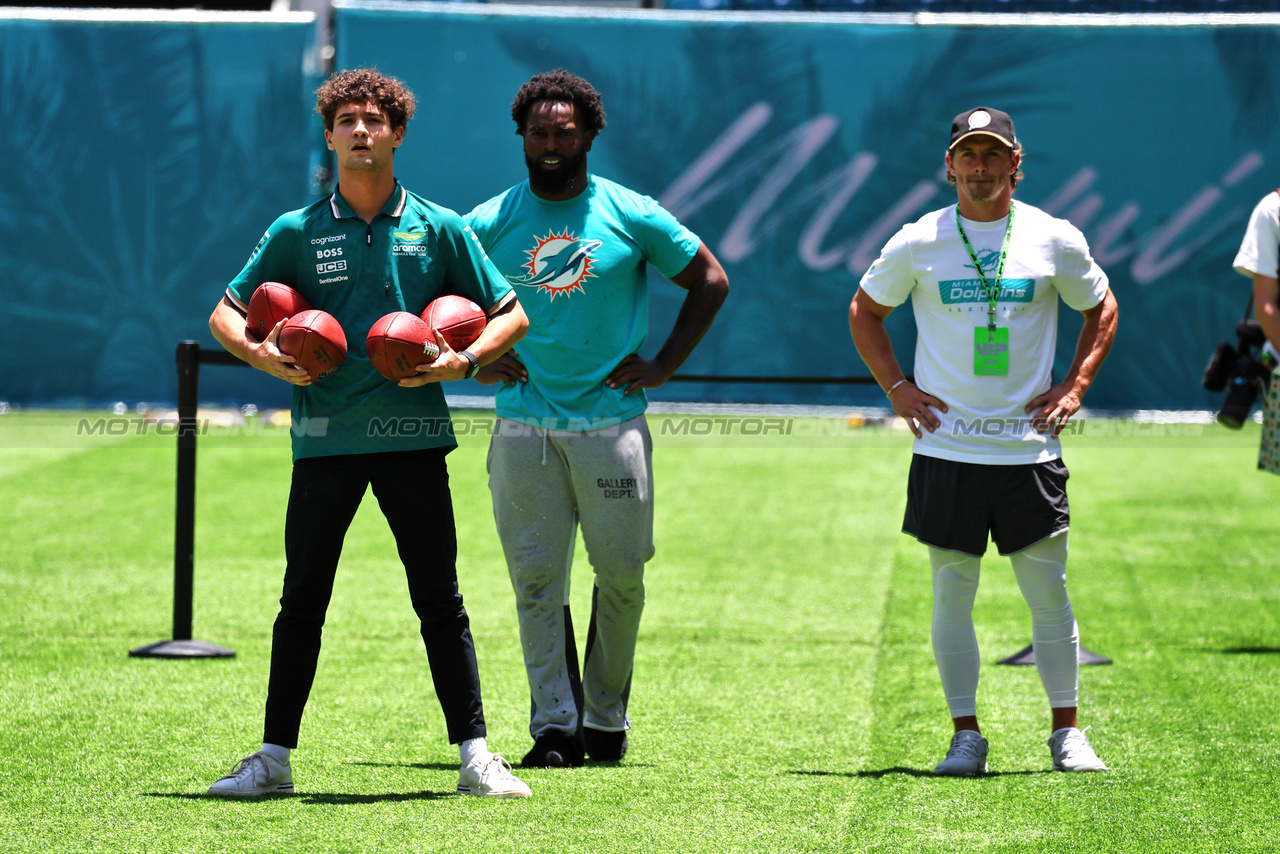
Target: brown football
459,320
315,339
398,343
271,303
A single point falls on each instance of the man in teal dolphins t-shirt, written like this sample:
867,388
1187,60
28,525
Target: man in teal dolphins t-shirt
571,446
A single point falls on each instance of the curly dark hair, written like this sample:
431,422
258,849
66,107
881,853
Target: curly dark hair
365,86
563,87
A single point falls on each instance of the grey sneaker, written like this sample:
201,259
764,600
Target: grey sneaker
257,774
966,757
1072,752
491,778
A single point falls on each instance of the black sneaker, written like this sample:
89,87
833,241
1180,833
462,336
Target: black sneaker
553,750
605,746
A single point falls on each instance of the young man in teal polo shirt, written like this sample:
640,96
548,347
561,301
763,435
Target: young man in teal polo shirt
571,447
369,249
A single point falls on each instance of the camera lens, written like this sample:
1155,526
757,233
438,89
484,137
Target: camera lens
1239,403
1222,364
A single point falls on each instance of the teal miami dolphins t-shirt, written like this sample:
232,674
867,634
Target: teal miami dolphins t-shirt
579,269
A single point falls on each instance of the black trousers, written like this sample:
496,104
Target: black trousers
323,498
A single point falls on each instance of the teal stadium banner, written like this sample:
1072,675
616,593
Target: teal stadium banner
153,154
146,157
796,145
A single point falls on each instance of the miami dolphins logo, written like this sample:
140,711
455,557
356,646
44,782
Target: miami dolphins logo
559,264
989,259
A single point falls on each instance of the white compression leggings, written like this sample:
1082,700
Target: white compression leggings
1041,571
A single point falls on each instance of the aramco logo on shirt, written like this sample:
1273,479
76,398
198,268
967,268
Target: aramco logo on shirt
559,264
409,243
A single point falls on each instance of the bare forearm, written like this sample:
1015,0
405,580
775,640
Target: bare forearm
1265,307
1093,345
697,313
228,325
874,345
501,333
866,323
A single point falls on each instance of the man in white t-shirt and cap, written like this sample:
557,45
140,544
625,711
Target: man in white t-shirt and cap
1257,259
986,412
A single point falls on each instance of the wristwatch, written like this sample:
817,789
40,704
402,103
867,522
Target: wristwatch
475,363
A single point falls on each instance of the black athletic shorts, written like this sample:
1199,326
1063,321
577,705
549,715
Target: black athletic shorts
954,505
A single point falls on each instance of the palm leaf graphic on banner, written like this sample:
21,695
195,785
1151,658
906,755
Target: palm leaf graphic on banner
129,241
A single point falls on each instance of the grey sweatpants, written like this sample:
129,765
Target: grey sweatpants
544,485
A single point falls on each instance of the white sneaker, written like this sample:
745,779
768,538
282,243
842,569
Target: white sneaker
257,774
1072,752
966,757
491,778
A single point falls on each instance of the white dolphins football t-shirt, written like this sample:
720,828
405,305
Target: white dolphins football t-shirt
926,260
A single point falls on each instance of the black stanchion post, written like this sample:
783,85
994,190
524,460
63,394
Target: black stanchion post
184,535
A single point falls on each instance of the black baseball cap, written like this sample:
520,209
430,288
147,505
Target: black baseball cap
983,120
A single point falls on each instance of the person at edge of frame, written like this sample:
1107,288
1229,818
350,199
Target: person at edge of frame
571,447
400,252
984,277
1259,259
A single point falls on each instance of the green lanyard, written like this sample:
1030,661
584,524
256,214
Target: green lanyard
992,292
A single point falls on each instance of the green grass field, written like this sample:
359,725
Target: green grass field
785,695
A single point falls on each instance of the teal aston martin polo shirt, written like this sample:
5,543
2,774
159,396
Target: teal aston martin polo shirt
412,252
